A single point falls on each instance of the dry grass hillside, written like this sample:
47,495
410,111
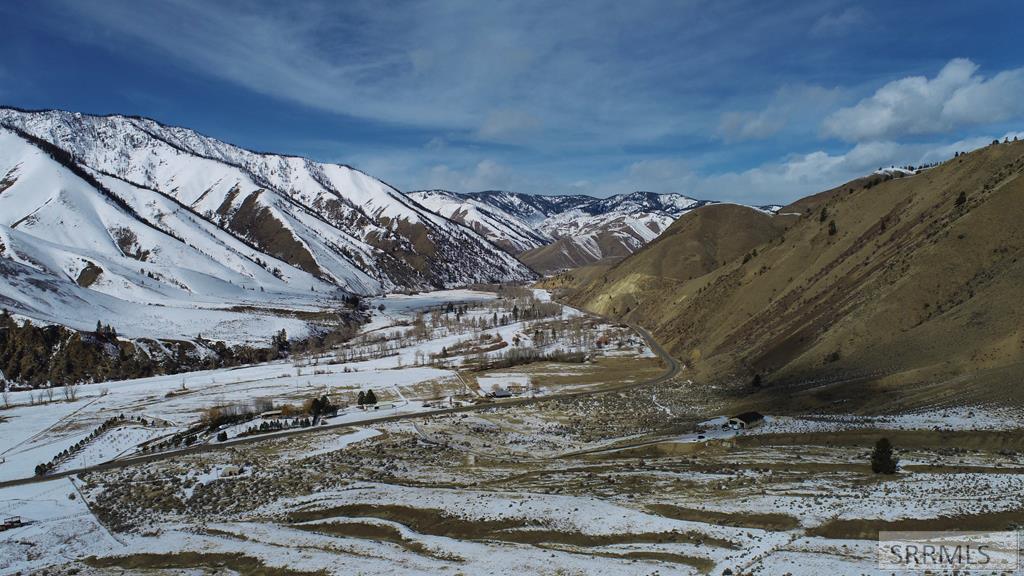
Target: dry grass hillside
695,244
565,253
912,297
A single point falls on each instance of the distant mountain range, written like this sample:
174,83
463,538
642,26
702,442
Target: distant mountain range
100,215
551,233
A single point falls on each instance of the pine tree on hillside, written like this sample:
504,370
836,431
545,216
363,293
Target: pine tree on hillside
371,398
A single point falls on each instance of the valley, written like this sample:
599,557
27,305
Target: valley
229,361
614,465
456,288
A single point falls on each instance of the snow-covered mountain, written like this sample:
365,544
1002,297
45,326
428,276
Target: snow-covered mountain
512,232
556,232
329,220
102,215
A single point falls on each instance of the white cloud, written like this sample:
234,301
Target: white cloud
956,97
1000,98
800,174
804,174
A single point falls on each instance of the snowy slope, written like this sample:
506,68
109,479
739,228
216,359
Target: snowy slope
635,218
509,231
532,208
331,221
73,251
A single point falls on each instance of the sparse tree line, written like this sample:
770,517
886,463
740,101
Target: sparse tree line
526,355
514,304
578,332
77,447
309,414
270,426
1006,140
34,356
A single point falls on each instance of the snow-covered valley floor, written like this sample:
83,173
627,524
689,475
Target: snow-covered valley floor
586,484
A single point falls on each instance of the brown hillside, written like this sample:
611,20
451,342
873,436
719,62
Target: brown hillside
914,288
695,244
564,253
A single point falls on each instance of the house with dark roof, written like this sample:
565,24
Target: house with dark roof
746,420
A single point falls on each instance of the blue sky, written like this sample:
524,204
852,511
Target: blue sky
755,102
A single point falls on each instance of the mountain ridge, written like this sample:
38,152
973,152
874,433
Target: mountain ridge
393,237
557,232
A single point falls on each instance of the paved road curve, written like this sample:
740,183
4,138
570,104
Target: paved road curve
672,368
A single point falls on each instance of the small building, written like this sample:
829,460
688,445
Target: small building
500,392
11,522
271,414
746,420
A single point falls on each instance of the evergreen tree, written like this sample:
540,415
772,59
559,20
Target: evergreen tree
371,398
361,400
882,460
961,199
832,228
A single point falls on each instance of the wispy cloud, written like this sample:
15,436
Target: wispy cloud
780,180
848,20
802,174
496,71
791,106
704,97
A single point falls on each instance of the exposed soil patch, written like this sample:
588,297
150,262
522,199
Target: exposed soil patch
259,224
761,521
88,276
188,560
703,564
378,532
517,530
868,529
